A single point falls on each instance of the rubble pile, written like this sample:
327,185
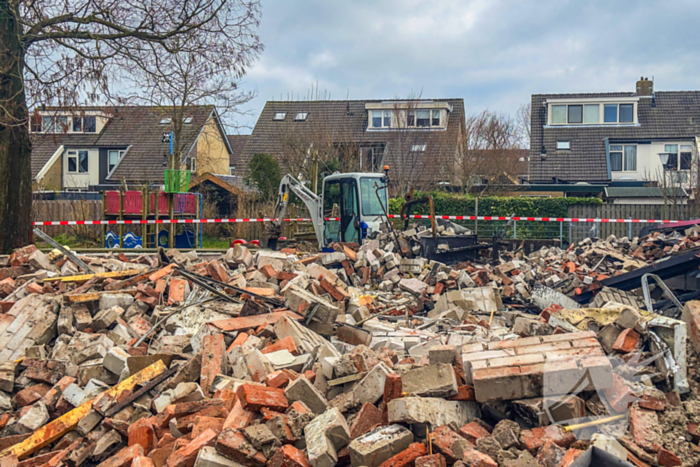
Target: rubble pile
363,356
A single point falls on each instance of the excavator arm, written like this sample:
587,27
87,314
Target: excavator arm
313,202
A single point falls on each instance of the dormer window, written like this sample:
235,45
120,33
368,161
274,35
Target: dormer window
166,121
187,120
84,124
585,113
279,116
381,118
301,116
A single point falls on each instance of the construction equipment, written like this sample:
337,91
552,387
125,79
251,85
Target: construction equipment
362,198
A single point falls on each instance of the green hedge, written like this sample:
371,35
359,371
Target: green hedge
464,205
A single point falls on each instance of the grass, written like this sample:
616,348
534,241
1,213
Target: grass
216,243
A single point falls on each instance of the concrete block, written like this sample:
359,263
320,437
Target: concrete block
36,417
371,387
431,381
434,411
208,457
107,316
325,435
379,445
122,300
115,360
302,390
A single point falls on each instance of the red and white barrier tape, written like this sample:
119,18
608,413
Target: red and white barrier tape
393,216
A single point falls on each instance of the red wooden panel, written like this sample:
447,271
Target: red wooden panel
133,202
112,202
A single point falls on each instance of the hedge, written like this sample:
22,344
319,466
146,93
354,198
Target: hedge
464,205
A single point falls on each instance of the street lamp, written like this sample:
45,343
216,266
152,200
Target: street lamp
663,157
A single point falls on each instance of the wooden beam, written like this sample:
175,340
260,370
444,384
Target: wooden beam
129,282
93,296
102,275
66,423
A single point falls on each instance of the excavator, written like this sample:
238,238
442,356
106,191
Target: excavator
361,197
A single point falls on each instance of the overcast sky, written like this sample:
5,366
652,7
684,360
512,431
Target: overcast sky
492,53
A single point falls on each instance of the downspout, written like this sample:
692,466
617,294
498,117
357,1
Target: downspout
607,158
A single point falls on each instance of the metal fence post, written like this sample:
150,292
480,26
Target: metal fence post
629,226
561,233
571,238
515,229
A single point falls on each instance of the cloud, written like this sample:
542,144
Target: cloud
492,53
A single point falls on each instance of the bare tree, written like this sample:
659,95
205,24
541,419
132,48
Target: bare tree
65,53
491,139
523,119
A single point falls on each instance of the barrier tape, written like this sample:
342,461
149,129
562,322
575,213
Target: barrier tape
393,216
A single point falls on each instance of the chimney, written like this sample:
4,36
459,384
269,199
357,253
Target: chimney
645,87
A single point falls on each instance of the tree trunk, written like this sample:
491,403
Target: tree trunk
15,147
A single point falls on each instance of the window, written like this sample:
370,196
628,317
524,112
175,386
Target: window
563,144
58,124
575,114
419,147
411,121
628,163
77,125
166,121
36,123
82,161
387,118
558,114
113,157
279,116
591,113
626,113
686,157
423,118
193,165
187,120
376,119
301,116
72,161
610,113
672,150
232,170
84,124
436,118
371,206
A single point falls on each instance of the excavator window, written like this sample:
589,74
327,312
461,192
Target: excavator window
342,193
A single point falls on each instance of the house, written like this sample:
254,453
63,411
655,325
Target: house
91,148
421,140
641,138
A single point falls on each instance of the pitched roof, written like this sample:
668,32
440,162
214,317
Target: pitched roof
135,127
237,143
345,122
644,192
670,114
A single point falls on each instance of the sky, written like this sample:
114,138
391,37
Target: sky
492,53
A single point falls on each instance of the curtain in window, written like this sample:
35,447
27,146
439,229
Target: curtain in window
616,161
630,158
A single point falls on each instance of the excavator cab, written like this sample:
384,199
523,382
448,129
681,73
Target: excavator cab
362,199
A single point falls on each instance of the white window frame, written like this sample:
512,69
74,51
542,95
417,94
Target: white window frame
419,147
87,160
413,113
72,155
601,113
120,154
279,116
232,170
679,157
301,116
564,145
166,121
624,160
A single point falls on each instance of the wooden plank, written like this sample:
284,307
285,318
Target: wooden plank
93,296
102,275
250,322
129,282
66,423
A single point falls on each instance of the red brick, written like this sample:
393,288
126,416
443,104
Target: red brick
550,455
188,408
212,360
464,393
694,431
185,424
239,340
620,396
634,460
51,397
473,431
283,344
142,432
407,457
217,271
474,458
187,455
367,418
255,397
235,446
535,438
124,457
570,456
30,395
161,454
334,291
228,396
310,375
434,460
268,270
176,295
238,417
652,403
550,310
667,458
299,407
627,341
202,424
278,379
142,461
644,427
392,390
289,456
444,440
161,273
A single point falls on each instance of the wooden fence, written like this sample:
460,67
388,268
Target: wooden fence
68,210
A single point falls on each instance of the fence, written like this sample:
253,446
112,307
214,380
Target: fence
68,210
